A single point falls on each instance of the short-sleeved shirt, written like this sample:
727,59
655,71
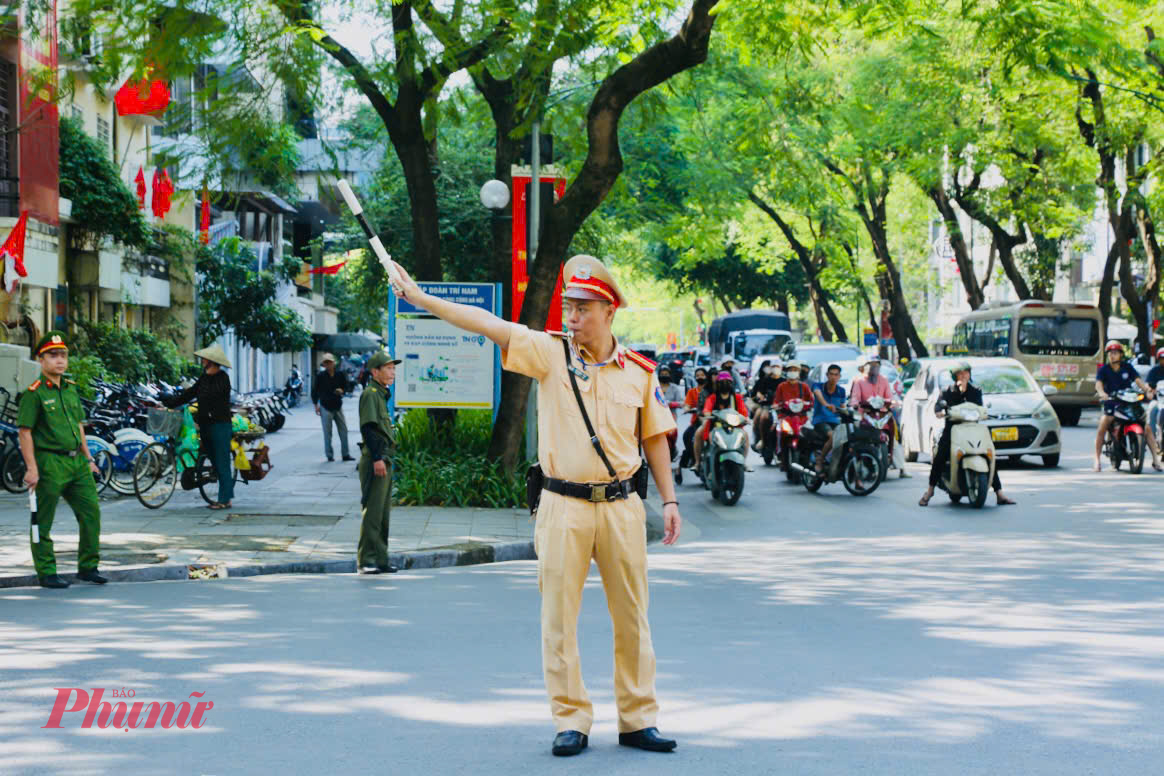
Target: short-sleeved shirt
713,402
374,410
1115,380
1155,375
792,389
821,413
864,389
54,414
621,395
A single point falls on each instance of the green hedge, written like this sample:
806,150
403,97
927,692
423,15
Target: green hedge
448,465
125,355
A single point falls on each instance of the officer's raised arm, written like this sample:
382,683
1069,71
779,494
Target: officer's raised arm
462,316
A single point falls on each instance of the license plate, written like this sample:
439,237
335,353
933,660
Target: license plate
1004,434
1058,370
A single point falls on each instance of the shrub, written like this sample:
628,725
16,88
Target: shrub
131,355
448,465
86,369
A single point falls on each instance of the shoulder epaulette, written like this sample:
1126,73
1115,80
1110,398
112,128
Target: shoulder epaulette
641,360
34,386
70,382
556,333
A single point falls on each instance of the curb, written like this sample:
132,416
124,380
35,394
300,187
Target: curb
440,557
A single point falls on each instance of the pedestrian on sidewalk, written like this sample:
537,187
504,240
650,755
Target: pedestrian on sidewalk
212,392
375,466
594,484
58,462
327,394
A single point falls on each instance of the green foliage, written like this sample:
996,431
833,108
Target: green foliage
271,157
103,205
84,370
125,355
448,466
354,315
233,293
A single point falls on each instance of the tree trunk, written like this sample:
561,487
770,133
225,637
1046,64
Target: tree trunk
413,152
962,256
904,332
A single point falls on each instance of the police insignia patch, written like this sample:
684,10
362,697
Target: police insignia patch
659,396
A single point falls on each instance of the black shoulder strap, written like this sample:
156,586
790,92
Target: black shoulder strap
585,417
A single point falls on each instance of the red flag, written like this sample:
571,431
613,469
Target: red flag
12,254
331,269
141,188
163,189
204,225
144,96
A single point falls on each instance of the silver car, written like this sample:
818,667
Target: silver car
1022,421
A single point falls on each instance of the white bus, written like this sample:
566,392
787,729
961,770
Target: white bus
1060,344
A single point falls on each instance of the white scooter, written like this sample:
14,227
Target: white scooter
972,459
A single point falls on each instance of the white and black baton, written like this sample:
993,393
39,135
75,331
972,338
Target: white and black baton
32,509
373,238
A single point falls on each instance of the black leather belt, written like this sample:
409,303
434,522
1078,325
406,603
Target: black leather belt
595,492
65,453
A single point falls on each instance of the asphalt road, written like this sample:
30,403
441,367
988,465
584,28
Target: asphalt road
795,634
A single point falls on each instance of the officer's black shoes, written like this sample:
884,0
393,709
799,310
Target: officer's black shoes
569,743
91,576
348,458
330,459
369,569
389,569
54,581
647,738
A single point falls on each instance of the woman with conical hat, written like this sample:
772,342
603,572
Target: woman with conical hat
212,391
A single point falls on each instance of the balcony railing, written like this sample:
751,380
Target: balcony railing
9,197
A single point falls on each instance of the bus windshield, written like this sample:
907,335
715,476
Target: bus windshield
1058,336
749,345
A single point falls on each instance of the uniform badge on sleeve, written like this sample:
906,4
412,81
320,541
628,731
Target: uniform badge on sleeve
659,396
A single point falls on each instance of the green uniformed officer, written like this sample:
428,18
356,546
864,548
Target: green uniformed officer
52,441
375,466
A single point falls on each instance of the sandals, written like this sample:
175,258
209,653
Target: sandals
1003,501
924,501
219,505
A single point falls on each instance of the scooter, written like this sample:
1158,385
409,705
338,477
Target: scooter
792,416
293,388
858,464
1125,438
972,459
876,414
721,467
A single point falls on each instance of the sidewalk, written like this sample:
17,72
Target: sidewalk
306,511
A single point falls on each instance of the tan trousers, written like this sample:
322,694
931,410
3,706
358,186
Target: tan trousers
568,534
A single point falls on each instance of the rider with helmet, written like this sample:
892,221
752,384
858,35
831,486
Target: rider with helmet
694,402
792,387
1113,377
724,397
763,390
960,392
869,384
1154,378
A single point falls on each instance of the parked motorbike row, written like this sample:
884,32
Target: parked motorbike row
115,429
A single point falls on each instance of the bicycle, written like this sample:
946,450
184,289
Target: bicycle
158,467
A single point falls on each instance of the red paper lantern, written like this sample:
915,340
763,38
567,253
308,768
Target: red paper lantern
142,97
204,222
163,190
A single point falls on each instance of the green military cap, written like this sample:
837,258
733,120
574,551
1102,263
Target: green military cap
380,358
52,340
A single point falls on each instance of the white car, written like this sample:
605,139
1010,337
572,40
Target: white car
1022,421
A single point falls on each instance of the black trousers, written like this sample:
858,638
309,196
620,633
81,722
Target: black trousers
942,461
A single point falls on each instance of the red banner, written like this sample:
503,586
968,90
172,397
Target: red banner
520,255
37,113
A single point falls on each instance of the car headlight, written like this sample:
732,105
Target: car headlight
1044,412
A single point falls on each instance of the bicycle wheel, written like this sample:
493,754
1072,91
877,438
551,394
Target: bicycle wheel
155,475
12,471
207,478
104,471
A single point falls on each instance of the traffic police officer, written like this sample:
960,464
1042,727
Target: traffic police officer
585,513
52,441
375,466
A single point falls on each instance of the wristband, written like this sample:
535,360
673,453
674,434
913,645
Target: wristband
665,503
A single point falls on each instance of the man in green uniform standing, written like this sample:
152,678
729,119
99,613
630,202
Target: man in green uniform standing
375,466
52,441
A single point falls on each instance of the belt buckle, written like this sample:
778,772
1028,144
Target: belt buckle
72,453
597,493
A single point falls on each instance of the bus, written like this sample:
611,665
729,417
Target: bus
1060,344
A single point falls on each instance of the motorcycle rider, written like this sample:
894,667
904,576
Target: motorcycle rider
872,383
1154,378
694,402
672,393
294,384
725,397
830,397
763,391
958,393
1113,377
790,388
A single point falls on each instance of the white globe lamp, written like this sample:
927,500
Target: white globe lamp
495,195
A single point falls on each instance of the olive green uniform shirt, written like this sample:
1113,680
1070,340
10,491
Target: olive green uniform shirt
374,410
54,414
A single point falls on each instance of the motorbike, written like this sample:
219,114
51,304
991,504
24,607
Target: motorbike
293,388
769,441
972,459
876,414
858,464
1125,439
721,467
791,417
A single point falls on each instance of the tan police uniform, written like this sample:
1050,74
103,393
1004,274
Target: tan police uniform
621,396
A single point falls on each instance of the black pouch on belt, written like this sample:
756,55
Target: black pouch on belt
535,480
640,479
